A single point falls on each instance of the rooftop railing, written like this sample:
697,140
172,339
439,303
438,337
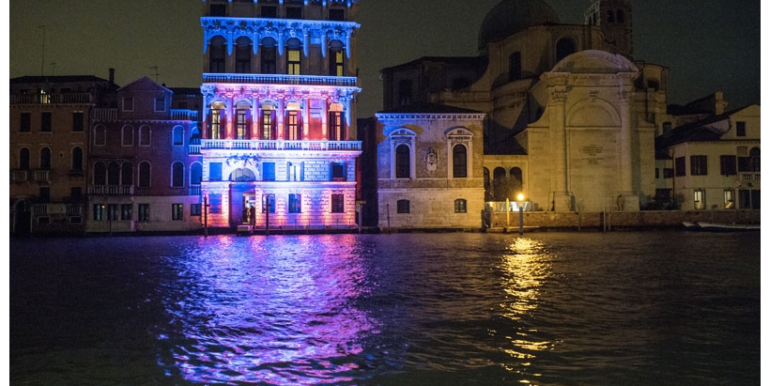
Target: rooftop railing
305,80
184,115
246,144
104,114
44,99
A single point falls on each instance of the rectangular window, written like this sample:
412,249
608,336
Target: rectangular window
662,194
268,171
668,173
698,198
293,126
216,119
680,166
727,165
241,130
144,212
294,12
77,121
215,203
195,209
267,125
338,203
337,14
25,123
127,212
338,171
402,206
698,165
269,11
268,203
99,212
76,194
112,212
294,62
44,193
215,171
461,206
295,203
729,199
404,92
160,104
268,60
45,123
336,126
128,103
657,173
740,129
337,66
177,212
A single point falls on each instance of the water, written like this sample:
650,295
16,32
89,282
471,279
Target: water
402,309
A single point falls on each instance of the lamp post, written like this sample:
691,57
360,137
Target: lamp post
520,198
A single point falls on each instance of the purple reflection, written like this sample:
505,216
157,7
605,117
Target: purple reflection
275,310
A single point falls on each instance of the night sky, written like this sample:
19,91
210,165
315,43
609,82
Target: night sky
708,45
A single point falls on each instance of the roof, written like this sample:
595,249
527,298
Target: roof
143,83
471,61
57,79
700,131
430,108
511,16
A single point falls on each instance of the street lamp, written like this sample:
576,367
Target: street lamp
520,198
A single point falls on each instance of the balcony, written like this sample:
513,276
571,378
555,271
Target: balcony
42,175
20,175
111,190
104,114
184,115
304,80
245,144
46,99
195,190
750,179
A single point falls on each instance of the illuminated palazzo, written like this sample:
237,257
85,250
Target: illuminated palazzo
278,130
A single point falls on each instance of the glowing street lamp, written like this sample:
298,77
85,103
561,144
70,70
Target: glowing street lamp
520,199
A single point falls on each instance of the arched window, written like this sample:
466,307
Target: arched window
144,175
195,136
336,58
564,47
100,174
293,56
113,174
486,179
127,136
216,125
144,135
336,126
268,55
459,161
196,173
24,159
77,159
242,117
610,16
127,173
100,135
217,54
754,160
242,175
499,184
177,175
243,55
403,167
45,158
517,181
177,136
621,17
514,66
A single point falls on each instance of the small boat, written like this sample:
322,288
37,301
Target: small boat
712,227
690,226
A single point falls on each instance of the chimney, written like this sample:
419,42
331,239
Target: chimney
112,75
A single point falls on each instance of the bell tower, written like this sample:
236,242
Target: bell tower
614,17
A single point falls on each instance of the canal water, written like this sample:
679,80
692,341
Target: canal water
648,308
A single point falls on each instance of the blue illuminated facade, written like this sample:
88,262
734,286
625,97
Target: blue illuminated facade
278,127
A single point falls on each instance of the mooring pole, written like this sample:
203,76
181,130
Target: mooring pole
267,215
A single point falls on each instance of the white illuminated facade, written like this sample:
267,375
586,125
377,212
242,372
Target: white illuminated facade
278,134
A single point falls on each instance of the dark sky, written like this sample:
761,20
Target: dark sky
708,45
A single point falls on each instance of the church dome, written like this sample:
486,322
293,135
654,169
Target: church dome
511,16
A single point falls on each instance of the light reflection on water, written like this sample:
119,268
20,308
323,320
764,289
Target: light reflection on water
402,309
278,310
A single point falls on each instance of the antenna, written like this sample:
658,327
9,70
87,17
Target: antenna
155,67
42,59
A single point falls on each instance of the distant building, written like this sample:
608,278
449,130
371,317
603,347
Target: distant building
50,117
279,125
144,169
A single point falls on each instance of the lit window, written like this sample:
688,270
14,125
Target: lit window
336,126
294,133
295,203
267,131
460,206
99,212
268,203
